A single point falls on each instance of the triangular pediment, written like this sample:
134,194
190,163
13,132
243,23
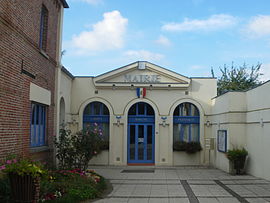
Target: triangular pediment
142,74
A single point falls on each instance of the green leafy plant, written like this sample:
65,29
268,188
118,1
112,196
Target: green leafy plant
72,186
238,158
188,147
236,154
193,147
75,151
4,188
179,146
23,166
104,145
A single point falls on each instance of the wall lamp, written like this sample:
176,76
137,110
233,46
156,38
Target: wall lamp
113,87
208,123
118,120
261,122
164,118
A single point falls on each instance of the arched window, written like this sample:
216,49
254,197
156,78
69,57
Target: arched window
96,113
62,113
186,123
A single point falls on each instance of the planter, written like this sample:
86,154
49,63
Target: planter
239,164
24,188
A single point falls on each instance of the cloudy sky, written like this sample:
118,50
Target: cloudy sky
186,36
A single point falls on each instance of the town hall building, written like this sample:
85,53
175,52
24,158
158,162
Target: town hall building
144,109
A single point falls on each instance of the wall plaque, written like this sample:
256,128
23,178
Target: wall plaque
222,140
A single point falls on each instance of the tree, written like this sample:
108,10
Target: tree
241,78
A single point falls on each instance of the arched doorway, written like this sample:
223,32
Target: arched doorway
97,113
141,136
186,123
62,113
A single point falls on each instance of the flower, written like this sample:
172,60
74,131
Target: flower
2,167
23,167
8,161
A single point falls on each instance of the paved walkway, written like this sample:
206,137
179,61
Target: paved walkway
182,184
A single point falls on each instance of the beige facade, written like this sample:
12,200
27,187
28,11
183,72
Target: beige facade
243,115
165,90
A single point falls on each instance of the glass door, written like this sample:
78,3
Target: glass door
141,143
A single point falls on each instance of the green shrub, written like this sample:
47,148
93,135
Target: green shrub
104,145
4,188
179,146
188,147
72,186
193,147
236,154
75,151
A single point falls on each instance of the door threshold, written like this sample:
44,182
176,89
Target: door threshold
142,164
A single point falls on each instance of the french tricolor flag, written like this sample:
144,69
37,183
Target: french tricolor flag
141,92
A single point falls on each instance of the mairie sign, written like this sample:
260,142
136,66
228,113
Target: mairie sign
142,78
186,119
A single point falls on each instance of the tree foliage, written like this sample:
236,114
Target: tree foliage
238,78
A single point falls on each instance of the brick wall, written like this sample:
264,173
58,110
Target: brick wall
19,39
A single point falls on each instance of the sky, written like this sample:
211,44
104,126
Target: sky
186,36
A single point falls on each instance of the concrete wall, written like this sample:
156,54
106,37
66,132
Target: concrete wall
246,117
229,113
258,131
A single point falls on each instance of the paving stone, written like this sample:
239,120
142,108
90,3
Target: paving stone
208,200
178,200
227,200
138,200
257,200
158,200
166,185
113,200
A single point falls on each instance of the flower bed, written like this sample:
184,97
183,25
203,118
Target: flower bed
62,186
71,186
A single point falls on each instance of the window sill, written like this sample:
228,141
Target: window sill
43,53
39,149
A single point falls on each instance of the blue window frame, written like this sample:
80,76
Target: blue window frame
97,113
43,28
38,125
186,123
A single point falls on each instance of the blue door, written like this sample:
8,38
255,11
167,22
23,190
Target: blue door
141,136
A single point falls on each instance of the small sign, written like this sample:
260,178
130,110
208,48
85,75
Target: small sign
209,143
222,140
140,140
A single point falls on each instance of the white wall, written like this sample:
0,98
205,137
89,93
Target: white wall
246,117
229,113
258,131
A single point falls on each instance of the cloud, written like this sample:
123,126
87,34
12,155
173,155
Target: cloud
141,55
258,26
265,69
164,41
214,22
92,2
107,34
